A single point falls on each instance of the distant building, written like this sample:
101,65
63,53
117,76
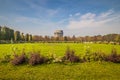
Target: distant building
58,33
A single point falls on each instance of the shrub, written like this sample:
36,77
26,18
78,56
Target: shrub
19,59
93,56
98,56
53,58
87,56
36,58
113,57
57,60
70,56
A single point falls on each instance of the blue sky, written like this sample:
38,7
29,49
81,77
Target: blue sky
75,17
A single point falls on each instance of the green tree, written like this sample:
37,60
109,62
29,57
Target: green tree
30,38
0,32
27,37
22,37
11,34
17,36
4,33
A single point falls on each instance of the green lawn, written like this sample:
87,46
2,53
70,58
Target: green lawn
56,71
55,48
59,71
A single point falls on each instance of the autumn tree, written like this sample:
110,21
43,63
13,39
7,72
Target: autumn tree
117,38
46,38
41,38
65,38
52,38
35,38
73,38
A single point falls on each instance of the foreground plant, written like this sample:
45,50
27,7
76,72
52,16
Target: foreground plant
98,56
19,59
36,58
53,58
113,57
70,56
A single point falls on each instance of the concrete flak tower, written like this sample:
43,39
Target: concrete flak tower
58,33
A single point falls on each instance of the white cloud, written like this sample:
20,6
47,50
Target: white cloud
88,16
74,15
52,12
104,19
77,14
106,14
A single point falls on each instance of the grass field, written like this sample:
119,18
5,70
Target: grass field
56,71
59,71
55,48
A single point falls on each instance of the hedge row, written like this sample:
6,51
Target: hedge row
69,56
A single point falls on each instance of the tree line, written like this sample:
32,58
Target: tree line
9,35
